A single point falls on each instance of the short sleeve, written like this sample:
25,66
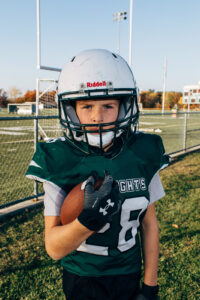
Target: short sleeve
38,169
53,199
156,190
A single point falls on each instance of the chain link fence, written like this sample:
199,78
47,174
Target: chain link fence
19,135
179,131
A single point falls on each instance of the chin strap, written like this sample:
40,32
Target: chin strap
95,140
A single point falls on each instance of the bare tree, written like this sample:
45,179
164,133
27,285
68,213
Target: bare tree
14,93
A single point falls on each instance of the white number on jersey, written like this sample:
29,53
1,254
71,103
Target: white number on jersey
132,208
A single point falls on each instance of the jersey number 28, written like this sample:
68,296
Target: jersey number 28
131,210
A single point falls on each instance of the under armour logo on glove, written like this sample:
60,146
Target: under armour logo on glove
100,205
104,210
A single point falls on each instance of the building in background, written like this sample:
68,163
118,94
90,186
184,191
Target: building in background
27,108
191,94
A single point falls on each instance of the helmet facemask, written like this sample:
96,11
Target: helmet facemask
107,134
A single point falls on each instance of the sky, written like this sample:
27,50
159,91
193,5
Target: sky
161,28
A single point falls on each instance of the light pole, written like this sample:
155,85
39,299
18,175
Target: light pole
130,32
118,16
164,84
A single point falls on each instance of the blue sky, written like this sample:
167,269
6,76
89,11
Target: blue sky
160,28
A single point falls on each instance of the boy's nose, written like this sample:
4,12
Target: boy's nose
97,116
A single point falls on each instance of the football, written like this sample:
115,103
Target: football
73,203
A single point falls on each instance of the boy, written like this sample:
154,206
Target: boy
101,253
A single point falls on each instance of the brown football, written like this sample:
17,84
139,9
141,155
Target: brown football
73,203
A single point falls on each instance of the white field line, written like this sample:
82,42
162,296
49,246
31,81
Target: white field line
22,128
152,123
17,130
25,128
13,133
179,125
171,125
14,142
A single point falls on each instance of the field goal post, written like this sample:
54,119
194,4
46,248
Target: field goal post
47,95
46,106
45,89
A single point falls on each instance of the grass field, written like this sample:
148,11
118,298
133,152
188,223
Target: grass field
27,272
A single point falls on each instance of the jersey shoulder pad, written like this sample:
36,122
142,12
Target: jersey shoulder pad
150,148
50,158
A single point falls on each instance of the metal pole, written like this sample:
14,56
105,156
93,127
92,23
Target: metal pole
36,128
130,33
185,131
118,36
189,100
118,17
38,34
37,96
39,67
164,84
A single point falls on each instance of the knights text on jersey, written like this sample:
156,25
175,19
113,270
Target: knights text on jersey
115,249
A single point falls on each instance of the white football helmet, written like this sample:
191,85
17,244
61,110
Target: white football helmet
97,75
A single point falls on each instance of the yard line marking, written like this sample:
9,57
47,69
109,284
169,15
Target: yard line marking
12,133
13,142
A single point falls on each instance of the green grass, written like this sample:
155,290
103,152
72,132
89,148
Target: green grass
26,271
172,130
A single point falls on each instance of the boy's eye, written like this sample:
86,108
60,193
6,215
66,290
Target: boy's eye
87,106
108,106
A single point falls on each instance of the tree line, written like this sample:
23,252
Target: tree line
152,99
148,99
29,96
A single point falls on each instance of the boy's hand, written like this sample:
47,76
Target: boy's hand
148,293
99,205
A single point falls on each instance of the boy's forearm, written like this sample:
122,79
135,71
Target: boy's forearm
63,239
151,253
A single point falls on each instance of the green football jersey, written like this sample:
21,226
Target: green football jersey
115,249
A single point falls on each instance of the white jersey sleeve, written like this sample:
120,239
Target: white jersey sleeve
156,190
53,199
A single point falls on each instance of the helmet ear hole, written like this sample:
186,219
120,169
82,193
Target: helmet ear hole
70,111
124,108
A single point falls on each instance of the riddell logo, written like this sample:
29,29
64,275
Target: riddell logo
96,84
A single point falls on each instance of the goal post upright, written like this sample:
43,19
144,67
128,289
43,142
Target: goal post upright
39,65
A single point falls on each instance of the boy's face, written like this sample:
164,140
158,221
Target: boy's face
97,112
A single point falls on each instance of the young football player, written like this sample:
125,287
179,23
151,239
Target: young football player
100,251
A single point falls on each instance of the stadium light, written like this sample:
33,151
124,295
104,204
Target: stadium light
119,16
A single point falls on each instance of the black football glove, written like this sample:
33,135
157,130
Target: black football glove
147,293
99,205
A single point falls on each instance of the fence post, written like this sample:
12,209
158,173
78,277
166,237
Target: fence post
185,131
36,129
